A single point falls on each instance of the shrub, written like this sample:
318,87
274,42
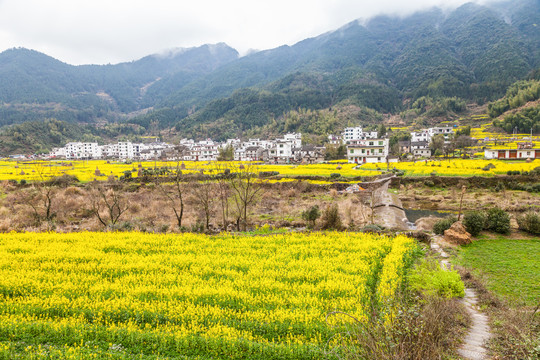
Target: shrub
331,219
311,215
444,224
23,182
498,221
529,222
429,183
335,176
474,222
265,174
430,279
371,228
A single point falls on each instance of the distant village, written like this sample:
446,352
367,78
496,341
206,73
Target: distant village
361,147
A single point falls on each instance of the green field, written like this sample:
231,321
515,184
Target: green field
510,267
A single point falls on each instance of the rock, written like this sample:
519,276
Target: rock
436,198
457,234
420,236
426,223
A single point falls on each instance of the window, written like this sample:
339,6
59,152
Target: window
352,151
371,143
380,142
363,151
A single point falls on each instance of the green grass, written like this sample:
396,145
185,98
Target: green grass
510,267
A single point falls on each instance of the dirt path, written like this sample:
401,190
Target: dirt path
388,210
479,333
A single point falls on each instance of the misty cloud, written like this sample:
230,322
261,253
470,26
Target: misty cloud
103,31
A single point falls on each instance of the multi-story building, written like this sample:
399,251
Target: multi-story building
125,150
446,131
422,135
367,151
352,133
79,150
420,148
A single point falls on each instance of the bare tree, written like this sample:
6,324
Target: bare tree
174,194
41,195
110,201
204,193
244,187
223,190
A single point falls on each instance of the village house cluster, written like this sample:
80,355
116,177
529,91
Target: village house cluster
368,147
288,149
361,147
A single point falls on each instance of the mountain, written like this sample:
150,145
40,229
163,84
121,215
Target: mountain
50,88
473,53
385,65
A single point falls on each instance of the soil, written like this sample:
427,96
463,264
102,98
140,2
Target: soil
448,199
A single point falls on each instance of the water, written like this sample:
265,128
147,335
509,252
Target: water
415,214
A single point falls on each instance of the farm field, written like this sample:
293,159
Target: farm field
458,167
149,296
508,266
100,169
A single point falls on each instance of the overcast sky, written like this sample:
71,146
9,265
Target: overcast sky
112,31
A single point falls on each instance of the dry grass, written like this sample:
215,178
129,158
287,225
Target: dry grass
150,210
427,329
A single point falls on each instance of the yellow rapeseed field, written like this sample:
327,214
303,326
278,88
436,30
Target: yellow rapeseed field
459,167
134,295
100,169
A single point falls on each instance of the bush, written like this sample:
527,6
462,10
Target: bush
444,224
265,174
430,279
23,182
429,183
311,215
335,176
371,228
474,222
499,187
529,222
498,221
331,219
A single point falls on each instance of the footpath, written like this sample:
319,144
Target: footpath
473,345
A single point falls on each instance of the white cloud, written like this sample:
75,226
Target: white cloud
105,31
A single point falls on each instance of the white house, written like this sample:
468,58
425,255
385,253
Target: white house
79,150
58,153
367,151
420,148
523,151
422,135
125,150
446,131
356,133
